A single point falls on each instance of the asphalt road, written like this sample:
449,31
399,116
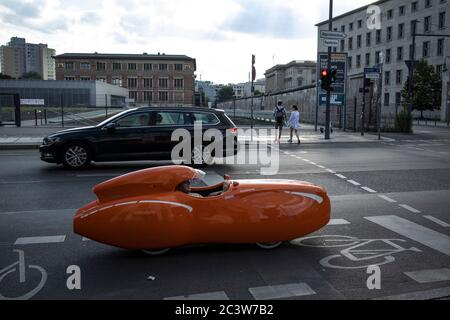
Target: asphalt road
390,205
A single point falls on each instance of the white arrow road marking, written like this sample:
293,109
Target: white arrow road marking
436,220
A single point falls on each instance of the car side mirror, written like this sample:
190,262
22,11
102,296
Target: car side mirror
110,126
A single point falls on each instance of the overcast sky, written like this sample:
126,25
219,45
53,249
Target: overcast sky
220,34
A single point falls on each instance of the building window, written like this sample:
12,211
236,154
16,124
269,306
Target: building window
390,14
413,27
133,95
358,61
350,62
148,96
350,26
439,69
398,77
398,98
358,41
85,78
163,96
178,83
350,43
427,24
401,28
359,24
388,56
368,39
69,78
399,53
367,59
148,83
163,66
377,57
132,66
178,67
85,65
426,49
414,6
386,99
428,3
117,81
132,82
440,47
401,11
117,66
147,66
69,66
163,83
389,34
378,36
387,78
342,45
441,20
101,66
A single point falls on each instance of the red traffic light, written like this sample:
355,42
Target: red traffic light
324,73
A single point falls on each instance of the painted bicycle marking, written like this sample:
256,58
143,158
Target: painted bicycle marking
20,266
355,251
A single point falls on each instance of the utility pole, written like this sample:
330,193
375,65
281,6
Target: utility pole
411,68
327,111
251,93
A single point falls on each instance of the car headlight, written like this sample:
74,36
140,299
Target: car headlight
50,140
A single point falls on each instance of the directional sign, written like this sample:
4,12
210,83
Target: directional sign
32,102
372,73
330,42
332,35
338,63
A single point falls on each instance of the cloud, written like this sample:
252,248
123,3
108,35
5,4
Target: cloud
91,17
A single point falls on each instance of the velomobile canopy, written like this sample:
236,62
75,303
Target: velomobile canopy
152,180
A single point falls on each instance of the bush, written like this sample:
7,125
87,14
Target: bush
403,122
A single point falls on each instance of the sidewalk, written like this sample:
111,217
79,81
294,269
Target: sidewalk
31,137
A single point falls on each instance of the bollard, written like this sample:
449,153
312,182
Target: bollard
35,117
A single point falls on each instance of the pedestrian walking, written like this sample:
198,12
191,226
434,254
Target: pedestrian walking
294,123
280,117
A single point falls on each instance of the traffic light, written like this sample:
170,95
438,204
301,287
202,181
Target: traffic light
325,79
253,69
333,76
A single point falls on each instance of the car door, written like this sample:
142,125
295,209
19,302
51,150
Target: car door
127,139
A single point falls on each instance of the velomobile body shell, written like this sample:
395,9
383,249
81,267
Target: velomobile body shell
143,210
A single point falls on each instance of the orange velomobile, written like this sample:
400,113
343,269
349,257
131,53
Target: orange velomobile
147,210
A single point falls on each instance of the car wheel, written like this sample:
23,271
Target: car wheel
270,245
76,156
156,252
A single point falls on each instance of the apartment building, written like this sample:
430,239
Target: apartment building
393,38
292,75
150,78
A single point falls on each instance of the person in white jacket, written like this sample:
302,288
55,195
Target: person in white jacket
294,123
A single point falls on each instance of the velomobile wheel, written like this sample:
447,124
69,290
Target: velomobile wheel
270,245
156,252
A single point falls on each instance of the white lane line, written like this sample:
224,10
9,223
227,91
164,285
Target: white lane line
281,291
354,183
387,198
341,176
413,231
430,275
436,220
38,240
337,222
313,163
368,189
217,295
306,160
420,295
409,208
319,166
331,171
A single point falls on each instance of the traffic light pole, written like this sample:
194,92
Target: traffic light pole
327,110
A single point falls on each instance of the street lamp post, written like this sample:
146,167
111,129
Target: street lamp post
447,107
381,56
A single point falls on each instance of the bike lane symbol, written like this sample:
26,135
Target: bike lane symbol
20,266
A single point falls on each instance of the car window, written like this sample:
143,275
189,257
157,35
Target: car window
205,118
166,118
134,120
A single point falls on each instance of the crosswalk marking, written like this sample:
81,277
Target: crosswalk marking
368,189
436,220
217,295
430,275
413,231
281,291
341,176
335,222
420,295
354,183
39,240
387,198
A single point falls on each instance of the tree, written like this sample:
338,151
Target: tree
257,93
5,76
32,75
427,88
225,93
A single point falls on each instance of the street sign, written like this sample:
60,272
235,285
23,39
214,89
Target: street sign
332,35
338,63
330,42
372,73
32,102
